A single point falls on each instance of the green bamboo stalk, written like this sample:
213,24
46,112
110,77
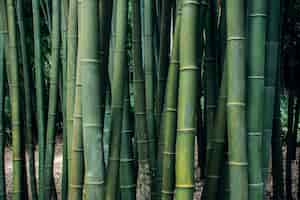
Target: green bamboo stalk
64,183
112,174
271,70
169,117
71,75
140,129
148,57
162,75
187,99
53,96
257,29
28,103
77,161
2,134
216,159
210,66
18,162
237,136
127,178
39,94
91,101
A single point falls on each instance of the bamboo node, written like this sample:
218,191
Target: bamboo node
256,77
191,67
236,104
258,15
127,131
140,113
256,184
91,125
114,159
186,130
238,163
170,110
94,182
254,133
142,141
169,153
126,160
185,186
232,38
175,62
77,149
89,60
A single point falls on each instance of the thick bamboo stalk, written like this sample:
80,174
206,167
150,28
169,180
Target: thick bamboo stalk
271,70
127,178
72,39
140,129
53,96
236,124
257,21
39,85
169,117
91,101
187,99
120,66
18,158
28,103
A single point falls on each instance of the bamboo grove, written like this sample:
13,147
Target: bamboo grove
143,93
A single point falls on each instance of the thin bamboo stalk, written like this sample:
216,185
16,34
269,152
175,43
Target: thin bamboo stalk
39,85
120,66
18,158
169,117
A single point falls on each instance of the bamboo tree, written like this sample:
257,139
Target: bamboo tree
187,100
149,80
271,70
162,71
120,66
237,137
255,97
127,178
18,158
210,74
2,134
64,183
140,129
28,103
77,165
91,101
169,117
53,96
39,85
71,74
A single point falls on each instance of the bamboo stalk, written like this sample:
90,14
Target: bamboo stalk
169,117
28,103
18,158
91,101
53,96
120,66
39,94
257,21
187,99
2,134
236,124
140,129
